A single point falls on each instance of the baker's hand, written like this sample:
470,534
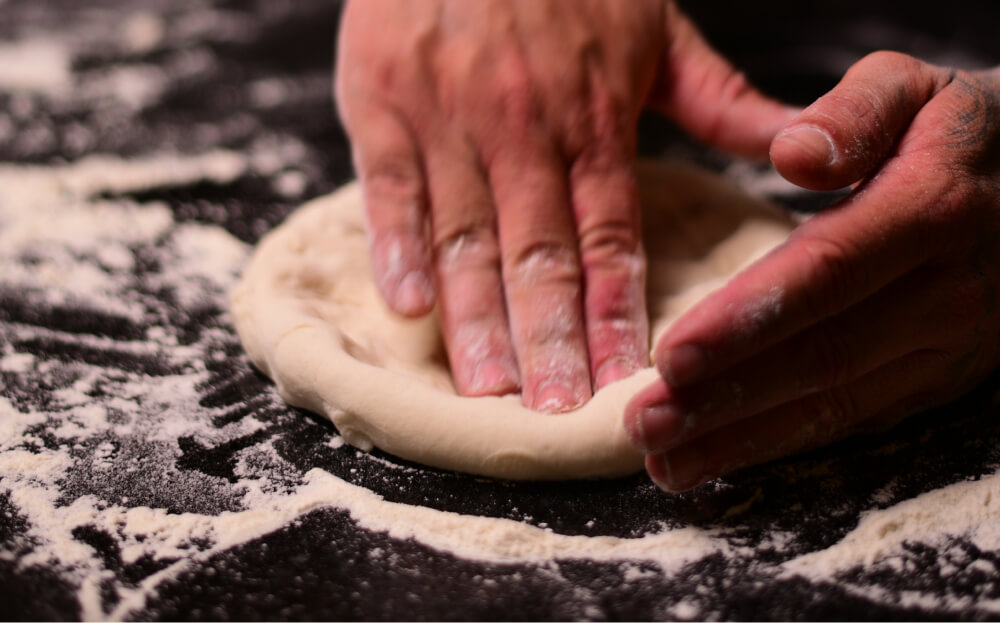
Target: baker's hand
494,142
885,303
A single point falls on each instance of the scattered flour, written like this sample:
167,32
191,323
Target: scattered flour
970,510
39,66
142,32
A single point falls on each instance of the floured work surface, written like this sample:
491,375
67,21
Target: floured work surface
146,471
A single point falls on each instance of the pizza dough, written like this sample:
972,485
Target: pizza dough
309,315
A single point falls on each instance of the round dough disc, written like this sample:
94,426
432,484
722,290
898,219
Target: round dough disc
310,316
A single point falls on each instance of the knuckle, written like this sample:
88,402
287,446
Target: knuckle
616,312
610,118
857,104
391,177
606,200
515,97
471,246
542,261
381,78
969,108
597,123
396,241
614,245
735,87
868,98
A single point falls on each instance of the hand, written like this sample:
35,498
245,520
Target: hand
884,304
494,142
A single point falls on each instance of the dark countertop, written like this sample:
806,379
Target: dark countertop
131,390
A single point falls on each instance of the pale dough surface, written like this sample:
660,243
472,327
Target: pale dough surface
310,316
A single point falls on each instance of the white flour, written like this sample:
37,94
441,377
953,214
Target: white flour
34,66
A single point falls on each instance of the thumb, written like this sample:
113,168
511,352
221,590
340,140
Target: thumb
709,98
850,131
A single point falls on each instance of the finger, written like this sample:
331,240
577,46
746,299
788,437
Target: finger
850,131
395,195
606,205
597,136
896,389
540,264
831,262
541,275
903,317
702,91
606,210
467,265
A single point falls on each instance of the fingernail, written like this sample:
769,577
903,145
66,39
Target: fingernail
654,427
614,369
683,365
492,375
815,142
684,467
415,294
556,396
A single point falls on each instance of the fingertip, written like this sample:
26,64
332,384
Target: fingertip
606,208
685,467
810,143
415,295
706,95
656,467
650,422
559,396
865,114
401,268
479,353
494,376
615,369
807,155
677,471
683,364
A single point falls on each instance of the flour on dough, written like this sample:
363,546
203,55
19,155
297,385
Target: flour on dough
310,316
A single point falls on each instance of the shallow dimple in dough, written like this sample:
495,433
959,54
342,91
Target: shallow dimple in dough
310,316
